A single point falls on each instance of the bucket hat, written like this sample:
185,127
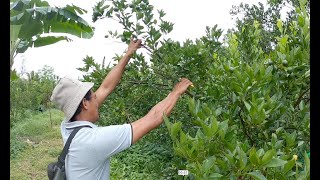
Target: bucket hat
68,94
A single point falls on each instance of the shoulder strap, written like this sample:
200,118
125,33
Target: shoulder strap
66,146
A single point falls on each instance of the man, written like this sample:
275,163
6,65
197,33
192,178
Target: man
90,151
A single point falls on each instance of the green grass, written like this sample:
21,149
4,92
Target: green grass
34,144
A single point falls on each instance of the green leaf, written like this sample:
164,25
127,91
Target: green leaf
183,137
224,125
257,175
30,29
307,163
278,144
260,152
253,156
139,15
17,6
75,9
23,46
157,36
234,97
61,21
175,128
215,175
274,162
242,158
199,134
76,30
290,139
139,27
300,143
248,106
208,163
288,166
279,24
218,111
268,156
161,13
43,41
206,129
301,105
127,34
14,32
167,122
214,125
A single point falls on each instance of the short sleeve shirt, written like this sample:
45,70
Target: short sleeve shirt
89,153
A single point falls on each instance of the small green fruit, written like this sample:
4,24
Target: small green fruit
268,62
290,69
285,62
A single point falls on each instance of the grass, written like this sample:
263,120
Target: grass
34,144
41,144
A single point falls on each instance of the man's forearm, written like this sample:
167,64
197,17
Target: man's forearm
114,76
164,107
155,116
112,79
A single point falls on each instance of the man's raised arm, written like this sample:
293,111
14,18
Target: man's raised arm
155,116
112,79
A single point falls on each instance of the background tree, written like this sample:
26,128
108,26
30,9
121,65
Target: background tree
267,17
31,94
31,19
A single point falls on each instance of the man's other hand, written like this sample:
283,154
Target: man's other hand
182,86
133,45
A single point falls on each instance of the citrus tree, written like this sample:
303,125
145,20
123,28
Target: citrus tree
247,116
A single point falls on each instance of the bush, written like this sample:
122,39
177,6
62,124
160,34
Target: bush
249,113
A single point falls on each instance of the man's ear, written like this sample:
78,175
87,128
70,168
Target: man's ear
84,103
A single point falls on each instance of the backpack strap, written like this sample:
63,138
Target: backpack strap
65,150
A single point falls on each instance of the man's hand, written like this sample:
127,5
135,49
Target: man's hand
112,79
155,116
133,46
182,86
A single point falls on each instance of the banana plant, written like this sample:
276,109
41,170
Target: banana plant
30,20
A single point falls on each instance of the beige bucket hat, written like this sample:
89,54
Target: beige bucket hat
68,94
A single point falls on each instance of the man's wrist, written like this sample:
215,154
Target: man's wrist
175,94
129,53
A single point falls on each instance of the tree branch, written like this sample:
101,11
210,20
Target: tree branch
244,127
300,98
157,84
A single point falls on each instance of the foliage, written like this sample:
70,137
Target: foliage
144,160
137,18
32,130
34,136
30,19
267,17
31,94
262,114
248,114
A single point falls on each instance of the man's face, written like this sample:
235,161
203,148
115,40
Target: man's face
93,107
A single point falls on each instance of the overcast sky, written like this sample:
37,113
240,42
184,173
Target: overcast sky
189,17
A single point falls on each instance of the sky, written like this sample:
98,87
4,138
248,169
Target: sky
189,18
